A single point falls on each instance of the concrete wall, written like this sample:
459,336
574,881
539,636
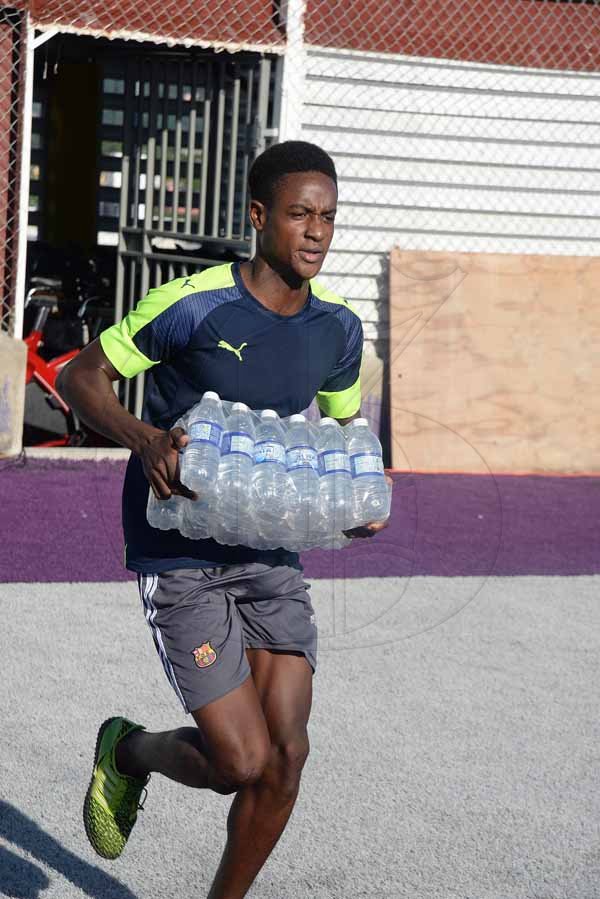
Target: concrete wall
13,361
495,363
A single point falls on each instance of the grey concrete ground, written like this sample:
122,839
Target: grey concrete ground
461,761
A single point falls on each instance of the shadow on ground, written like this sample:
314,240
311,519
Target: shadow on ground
21,879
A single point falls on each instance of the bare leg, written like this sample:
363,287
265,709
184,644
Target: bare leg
260,811
228,748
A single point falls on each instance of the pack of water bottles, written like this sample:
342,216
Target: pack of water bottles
267,482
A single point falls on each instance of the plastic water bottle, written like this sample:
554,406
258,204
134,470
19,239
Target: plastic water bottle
232,521
200,464
371,494
271,489
166,514
304,520
335,481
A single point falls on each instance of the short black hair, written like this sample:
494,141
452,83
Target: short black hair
284,159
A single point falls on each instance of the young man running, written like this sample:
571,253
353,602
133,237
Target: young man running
234,627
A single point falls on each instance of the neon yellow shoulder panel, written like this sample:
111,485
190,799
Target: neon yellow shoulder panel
117,341
340,403
329,296
337,403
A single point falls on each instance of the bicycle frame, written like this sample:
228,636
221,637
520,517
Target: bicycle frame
45,372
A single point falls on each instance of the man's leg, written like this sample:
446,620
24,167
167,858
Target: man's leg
260,810
252,741
228,749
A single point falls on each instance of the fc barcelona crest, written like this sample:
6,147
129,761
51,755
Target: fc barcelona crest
204,655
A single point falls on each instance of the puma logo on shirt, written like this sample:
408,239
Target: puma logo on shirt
227,346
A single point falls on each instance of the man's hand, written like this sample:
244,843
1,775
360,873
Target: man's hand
160,460
369,530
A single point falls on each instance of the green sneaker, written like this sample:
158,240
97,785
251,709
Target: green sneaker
112,800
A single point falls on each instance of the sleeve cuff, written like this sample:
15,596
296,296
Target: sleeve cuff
122,352
340,403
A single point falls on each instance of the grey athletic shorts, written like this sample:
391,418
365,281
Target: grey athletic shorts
203,620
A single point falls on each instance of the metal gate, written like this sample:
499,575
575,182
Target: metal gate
191,125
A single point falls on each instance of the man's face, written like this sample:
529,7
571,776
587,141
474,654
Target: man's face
295,231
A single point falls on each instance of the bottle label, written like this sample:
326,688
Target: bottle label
301,456
331,461
237,442
206,432
366,463
269,451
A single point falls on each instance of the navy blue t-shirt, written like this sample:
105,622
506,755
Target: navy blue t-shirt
208,332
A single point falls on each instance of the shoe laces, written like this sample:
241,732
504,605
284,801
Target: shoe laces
142,801
131,798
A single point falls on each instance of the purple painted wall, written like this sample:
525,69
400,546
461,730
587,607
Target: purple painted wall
61,522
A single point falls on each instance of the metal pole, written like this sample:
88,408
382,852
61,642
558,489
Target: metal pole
148,211
235,114
149,193
294,68
125,188
177,157
219,152
261,120
26,117
248,125
164,149
189,192
208,88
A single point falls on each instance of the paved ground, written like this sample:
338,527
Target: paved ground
461,761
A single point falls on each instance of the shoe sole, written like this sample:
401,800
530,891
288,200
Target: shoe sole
88,795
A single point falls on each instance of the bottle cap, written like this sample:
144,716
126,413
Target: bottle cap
239,407
269,413
297,416
361,422
211,395
327,421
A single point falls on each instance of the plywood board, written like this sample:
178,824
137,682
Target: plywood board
495,362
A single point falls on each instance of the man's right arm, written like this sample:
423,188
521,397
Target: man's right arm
86,385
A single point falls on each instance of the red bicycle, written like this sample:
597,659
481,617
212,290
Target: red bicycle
45,298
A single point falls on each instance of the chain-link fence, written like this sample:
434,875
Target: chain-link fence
468,125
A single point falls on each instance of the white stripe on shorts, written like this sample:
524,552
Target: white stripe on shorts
149,583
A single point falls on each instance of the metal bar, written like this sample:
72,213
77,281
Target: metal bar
233,136
233,243
219,151
294,68
164,148
177,157
245,165
172,258
138,147
125,188
208,87
26,125
150,162
44,36
189,193
263,102
277,96
132,279
261,117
